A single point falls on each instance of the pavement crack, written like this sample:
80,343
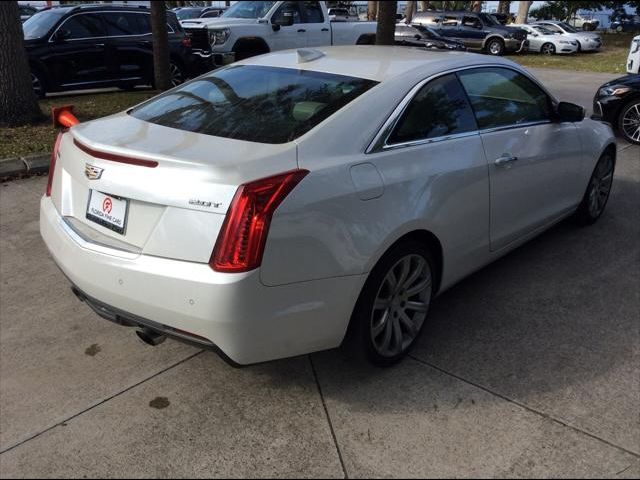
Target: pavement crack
101,402
526,407
326,412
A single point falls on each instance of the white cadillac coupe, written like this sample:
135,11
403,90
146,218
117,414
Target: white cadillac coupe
284,203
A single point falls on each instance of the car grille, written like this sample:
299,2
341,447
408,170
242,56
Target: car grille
199,38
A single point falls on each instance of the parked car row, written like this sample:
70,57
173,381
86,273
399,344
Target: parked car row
100,45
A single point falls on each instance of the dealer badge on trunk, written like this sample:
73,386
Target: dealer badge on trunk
92,173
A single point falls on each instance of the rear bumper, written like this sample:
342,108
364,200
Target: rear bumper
235,314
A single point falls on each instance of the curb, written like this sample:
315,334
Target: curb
16,167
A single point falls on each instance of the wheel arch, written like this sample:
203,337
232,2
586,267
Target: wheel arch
250,44
492,36
366,39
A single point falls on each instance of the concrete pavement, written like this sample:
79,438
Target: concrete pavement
529,368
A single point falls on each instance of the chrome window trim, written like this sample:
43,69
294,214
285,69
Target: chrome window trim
170,28
379,142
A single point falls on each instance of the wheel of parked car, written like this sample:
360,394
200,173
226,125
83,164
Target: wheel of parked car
597,195
37,81
394,303
177,74
629,122
548,49
579,46
495,47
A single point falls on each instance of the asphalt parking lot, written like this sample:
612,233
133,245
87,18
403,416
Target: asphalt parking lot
529,368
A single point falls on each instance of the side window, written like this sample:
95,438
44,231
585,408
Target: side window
313,12
553,28
449,21
289,7
471,22
440,108
86,25
122,24
144,23
502,97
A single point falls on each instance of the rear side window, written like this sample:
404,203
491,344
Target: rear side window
502,97
86,25
123,23
254,103
450,21
440,108
312,12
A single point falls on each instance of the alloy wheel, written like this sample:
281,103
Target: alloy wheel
401,305
177,78
495,48
600,186
548,49
631,123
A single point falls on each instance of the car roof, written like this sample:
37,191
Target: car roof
378,63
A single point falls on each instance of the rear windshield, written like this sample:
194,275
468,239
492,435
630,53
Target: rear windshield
253,103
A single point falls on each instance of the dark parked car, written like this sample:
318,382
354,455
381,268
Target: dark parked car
189,13
626,24
478,31
618,102
26,11
95,46
421,36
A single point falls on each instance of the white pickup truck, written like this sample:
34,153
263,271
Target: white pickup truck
251,28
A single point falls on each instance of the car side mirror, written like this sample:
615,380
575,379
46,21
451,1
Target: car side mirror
570,112
286,20
61,35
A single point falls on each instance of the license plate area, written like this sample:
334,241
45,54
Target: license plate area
109,211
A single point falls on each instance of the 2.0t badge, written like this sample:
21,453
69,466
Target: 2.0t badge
92,172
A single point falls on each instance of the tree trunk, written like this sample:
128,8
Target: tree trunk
386,30
409,10
476,7
18,102
372,11
160,46
504,7
523,12
424,5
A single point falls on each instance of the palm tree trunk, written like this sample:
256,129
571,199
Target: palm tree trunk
424,5
504,7
476,7
523,12
160,45
386,30
18,102
409,10
372,11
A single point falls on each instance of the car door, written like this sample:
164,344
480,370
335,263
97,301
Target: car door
449,28
78,54
472,30
294,36
533,161
129,50
435,172
317,27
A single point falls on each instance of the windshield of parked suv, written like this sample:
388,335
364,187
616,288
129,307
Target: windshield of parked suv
188,13
248,10
253,103
41,23
489,20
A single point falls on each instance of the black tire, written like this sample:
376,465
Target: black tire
629,122
361,337
599,186
495,47
548,49
579,46
39,83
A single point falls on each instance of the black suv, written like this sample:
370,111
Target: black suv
478,31
96,46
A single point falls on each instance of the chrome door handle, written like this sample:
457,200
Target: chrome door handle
506,160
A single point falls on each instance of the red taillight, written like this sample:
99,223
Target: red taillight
244,232
52,164
186,42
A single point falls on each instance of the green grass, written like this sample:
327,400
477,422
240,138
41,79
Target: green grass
39,138
612,58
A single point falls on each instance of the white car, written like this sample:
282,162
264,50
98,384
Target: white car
633,62
265,209
545,41
587,41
